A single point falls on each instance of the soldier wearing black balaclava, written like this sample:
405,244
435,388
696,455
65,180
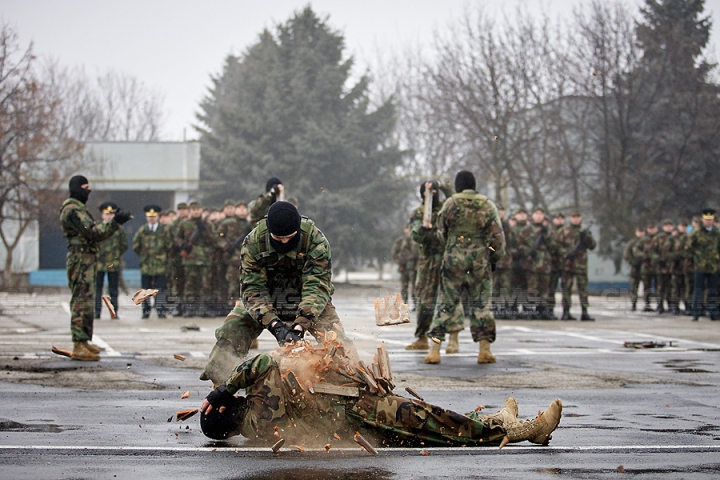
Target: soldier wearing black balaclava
83,237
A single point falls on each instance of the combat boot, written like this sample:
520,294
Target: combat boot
506,416
648,308
420,344
538,430
93,348
634,306
566,314
453,346
433,356
585,317
82,353
485,356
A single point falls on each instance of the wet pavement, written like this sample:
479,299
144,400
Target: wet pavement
650,413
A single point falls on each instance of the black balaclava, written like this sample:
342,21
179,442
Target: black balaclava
272,181
283,219
76,190
464,180
436,195
220,426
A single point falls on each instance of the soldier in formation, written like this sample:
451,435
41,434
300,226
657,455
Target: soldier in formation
109,260
703,245
573,243
633,256
405,255
152,243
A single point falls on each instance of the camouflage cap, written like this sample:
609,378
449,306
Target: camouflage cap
683,222
651,224
538,208
108,207
499,206
667,221
576,213
195,204
559,215
240,204
521,210
182,206
229,203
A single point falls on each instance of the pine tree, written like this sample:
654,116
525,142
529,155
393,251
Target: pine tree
284,109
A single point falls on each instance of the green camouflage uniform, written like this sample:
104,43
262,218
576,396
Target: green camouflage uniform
232,233
175,273
557,267
502,277
314,419
277,286
196,264
688,273
109,260
633,257
577,266
649,269
152,248
704,246
665,245
470,229
83,237
430,253
516,248
535,248
677,281
218,270
259,207
405,255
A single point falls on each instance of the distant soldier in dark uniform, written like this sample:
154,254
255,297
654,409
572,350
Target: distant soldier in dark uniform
195,239
405,255
109,260
175,274
502,277
274,190
704,246
558,222
574,243
665,244
152,244
536,248
517,251
633,256
689,268
650,265
83,237
232,233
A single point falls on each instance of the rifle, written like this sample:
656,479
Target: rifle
232,246
580,244
187,246
538,241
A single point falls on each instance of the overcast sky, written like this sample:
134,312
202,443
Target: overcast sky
175,45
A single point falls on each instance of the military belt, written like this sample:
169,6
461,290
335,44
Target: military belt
81,249
465,239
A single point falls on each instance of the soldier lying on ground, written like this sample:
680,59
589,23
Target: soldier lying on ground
310,395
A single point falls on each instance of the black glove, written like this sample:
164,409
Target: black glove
186,248
543,230
493,267
533,254
570,257
294,335
583,234
200,225
220,397
662,264
121,216
280,332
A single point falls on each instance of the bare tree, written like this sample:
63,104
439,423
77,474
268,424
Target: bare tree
34,157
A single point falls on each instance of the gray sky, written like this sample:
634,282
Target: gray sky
175,45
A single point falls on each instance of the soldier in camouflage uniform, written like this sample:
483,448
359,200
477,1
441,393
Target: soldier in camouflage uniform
233,231
405,255
285,287
151,244
83,237
469,228
175,274
502,276
704,246
677,257
273,408
196,241
430,252
519,277
665,245
558,222
109,260
689,268
259,207
650,265
573,244
633,256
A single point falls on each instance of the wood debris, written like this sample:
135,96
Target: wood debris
360,440
108,304
186,394
277,445
336,436
299,448
390,310
182,415
327,447
60,351
415,394
143,294
179,357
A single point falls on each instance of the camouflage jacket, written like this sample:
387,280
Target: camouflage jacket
505,263
632,256
535,247
405,253
111,250
152,248
665,246
469,225
688,260
274,405
283,285
174,254
80,230
201,249
557,261
259,207
430,248
512,244
230,237
704,246
677,255
567,238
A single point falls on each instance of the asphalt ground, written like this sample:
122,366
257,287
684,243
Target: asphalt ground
649,413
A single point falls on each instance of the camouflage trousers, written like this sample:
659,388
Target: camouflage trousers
81,268
677,288
234,336
650,284
502,294
175,276
581,278
407,285
689,289
465,290
664,290
197,284
426,287
232,277
634,286
538,289
403,422
555,277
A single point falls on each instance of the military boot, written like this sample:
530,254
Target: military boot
83,354
566,314
420,344
506,416
433,355
634,306
93,348
538,430
586,316
648,308
177,310
485,356
453,346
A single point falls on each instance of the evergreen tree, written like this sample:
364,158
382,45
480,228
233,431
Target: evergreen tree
284,109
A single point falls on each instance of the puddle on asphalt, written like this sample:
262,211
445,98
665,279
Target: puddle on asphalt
11,426
685,366
331,474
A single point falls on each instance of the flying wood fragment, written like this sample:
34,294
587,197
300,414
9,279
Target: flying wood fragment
182,415
142,294
360,440
60,351
108,304
179,357
327,447
278,444
186,394
414,394
299,448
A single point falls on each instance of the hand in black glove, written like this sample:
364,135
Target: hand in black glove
186,248
279,331
121,216
663,264
543,230
295,334
533,254
200,225
570,257
219,398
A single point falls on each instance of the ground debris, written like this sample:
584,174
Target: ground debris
647,344
61,351
360,440
179,357
185,394
185,328
182,415
277,445
414,394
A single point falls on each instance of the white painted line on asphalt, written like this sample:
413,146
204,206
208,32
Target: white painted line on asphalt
198,354
104,345
512,353
66,307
